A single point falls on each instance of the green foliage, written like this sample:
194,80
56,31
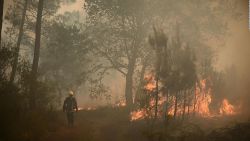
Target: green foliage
98,90
5,61
64,59
18,122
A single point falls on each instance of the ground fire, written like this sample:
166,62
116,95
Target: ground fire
199,104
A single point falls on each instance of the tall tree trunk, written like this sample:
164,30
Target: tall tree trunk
128,89
158,65
184,105
165,109
195,100
36,55
175,105
190,100
14,65
156,94
141,83
129,82
188,106
1,20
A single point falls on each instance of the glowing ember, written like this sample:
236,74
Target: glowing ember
151,83
121,103
226,108
86,108
90,108
136,115
150,87
80,108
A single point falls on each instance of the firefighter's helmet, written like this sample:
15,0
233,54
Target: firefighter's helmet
71,93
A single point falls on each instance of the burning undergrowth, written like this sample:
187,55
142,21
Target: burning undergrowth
194,102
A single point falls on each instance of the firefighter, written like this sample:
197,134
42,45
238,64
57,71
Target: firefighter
70,106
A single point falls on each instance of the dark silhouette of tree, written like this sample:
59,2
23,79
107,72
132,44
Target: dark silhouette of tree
159,43
21,16
175,69
34,70
1,19
20,35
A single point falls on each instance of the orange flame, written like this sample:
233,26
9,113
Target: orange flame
226,108
151,83
139,114
120,103
201,102
203,99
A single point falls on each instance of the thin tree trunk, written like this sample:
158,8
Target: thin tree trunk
165,111
14,66
175,106
1,20
34,70
129,82
195,101
184,105
141,83
128,89
156,95
189,92
158,65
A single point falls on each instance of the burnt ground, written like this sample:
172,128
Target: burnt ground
113,124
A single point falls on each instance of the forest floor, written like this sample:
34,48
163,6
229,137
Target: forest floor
101,124
113,124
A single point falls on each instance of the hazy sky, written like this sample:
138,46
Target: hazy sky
77,6
237,43
235,47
